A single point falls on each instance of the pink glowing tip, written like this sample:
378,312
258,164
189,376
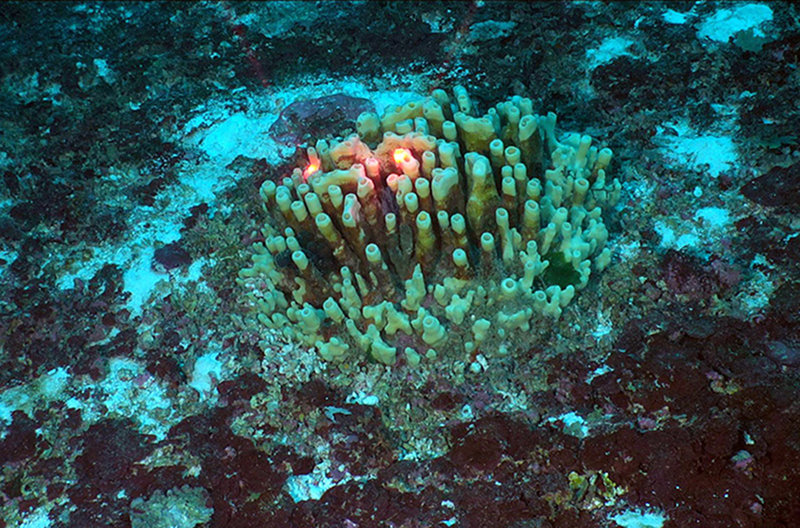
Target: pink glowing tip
401,155
311,169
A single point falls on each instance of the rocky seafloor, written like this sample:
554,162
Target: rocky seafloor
137,390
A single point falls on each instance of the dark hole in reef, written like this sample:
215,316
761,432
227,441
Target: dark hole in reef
284,258
560,271
318,252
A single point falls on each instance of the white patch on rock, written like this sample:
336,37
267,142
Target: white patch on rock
726,23
639,519
694,150
610,49
207,369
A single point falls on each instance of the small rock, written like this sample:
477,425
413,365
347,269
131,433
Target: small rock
783,353
170,257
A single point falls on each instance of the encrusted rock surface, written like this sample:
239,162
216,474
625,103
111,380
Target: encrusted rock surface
135,138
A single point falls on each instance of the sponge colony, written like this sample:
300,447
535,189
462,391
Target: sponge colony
432,230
